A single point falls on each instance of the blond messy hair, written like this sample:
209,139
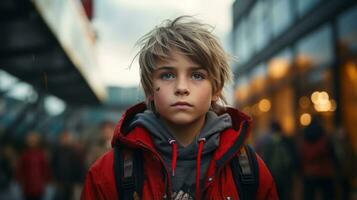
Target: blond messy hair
191,38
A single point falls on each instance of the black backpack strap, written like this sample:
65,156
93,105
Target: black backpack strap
129,173
245,171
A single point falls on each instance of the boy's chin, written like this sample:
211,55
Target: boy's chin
182,119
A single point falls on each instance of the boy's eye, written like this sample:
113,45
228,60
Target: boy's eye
198,76
167,76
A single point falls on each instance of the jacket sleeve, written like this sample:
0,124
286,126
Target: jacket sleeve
90,191
100,180
266,189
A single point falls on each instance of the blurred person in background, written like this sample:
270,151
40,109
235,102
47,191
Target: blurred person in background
67,166
9,188
318,162
6,173
280,156
33,170
347,162
101,144
80,167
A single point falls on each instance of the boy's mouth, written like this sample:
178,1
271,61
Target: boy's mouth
182,103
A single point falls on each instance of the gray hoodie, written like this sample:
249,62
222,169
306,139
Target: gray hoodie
185,172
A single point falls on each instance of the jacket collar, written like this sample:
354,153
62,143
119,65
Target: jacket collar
230,140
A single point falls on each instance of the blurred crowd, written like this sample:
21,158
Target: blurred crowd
312,165
40,170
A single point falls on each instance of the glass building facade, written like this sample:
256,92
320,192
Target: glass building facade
296,59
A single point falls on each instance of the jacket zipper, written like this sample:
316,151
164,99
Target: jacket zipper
168,178
220,169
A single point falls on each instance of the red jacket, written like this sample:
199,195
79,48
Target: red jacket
317,159
33,172
219,184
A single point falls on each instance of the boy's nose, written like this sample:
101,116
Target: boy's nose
182,91
181,87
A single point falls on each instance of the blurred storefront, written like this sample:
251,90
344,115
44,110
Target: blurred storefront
48,67
297,59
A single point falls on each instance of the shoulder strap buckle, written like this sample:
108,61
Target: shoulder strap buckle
128,168
246,173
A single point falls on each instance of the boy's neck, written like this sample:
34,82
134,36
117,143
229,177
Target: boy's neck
185,134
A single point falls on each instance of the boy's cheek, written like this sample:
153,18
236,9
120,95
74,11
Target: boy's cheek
164,88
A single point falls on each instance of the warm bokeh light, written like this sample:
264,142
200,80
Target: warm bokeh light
264,105
315,96
322,102
333,105
351,69
323,106
257,84
288,125
241,93
323,96
278,67
305,119
304,102
303,60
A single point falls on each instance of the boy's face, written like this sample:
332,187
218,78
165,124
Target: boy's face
182,90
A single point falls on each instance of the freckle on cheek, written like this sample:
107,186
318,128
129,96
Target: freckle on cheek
157,89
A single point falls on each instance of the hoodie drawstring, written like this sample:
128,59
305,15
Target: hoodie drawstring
201,142
174,155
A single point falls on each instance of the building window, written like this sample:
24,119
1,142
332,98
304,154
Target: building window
282,16
242,46
314,59
251,31
315,50
304,6
261,16
347,29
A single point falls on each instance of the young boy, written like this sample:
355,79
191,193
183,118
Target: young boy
185,139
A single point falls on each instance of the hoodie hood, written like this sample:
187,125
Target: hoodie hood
161,135
238,119
183,173
193,159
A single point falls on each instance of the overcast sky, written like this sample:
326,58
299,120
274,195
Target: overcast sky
120,23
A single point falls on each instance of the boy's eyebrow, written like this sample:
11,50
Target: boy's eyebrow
173,68
164,68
